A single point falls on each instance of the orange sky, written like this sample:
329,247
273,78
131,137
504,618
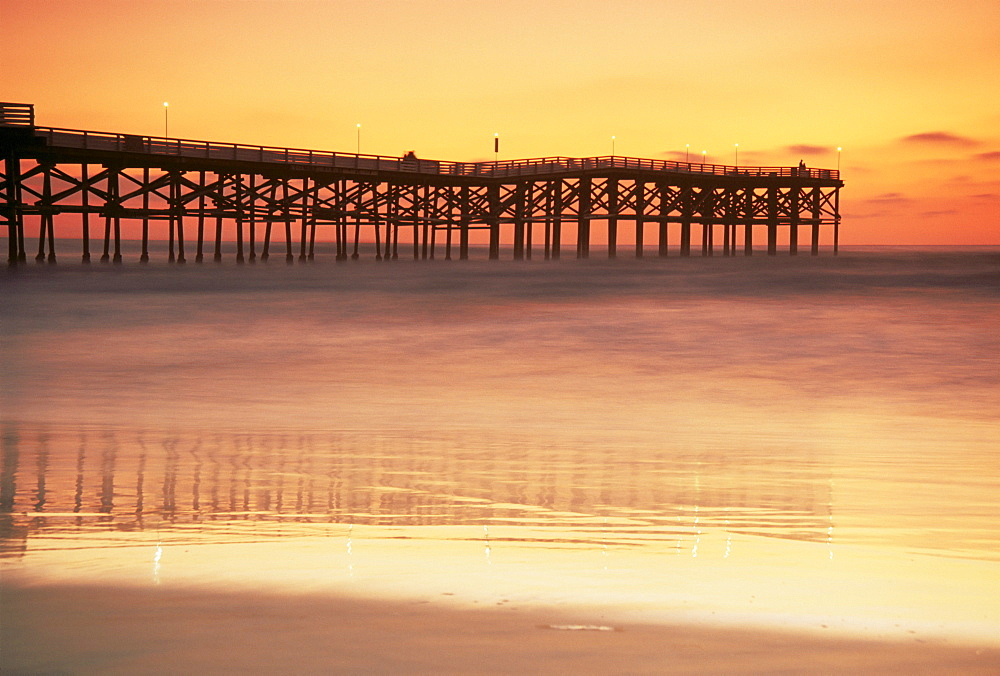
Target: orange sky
908,89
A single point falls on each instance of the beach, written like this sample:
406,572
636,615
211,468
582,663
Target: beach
735,465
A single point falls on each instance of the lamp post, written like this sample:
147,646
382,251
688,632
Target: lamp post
612,146
838,157
166,119
359,138
703,154
687,153
496,147
737,154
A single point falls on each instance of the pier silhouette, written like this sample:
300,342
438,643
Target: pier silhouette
383,204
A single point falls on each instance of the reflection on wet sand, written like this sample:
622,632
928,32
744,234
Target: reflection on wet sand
61,482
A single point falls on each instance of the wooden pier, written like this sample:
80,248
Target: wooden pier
269,197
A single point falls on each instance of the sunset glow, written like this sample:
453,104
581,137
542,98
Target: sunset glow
898,95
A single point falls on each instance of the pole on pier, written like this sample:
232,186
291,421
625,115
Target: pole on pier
748,198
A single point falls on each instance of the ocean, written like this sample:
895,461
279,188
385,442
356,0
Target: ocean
802,443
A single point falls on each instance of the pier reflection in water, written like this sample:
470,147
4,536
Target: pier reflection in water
209,486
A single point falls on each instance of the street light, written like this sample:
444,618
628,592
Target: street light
496,147
166,119
612,146
359,138
838,157
737,154
703,153
687,153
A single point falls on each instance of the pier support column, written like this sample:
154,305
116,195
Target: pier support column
640,212
612,188
311,215
177,213
519,221
219,205
47,225
793,216
816,196
557,212
583,220
748,197
687,211
85,203
836,222
252,217
465,217
772,221
144,250
240,216
200,247
12,210
112,215
493,196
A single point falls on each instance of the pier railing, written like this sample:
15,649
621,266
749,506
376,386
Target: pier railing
178,147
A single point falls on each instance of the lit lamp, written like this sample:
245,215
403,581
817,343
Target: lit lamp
737,154
359,138
838,157
612,146
703,154
166,119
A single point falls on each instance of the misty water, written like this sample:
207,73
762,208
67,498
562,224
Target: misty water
768,439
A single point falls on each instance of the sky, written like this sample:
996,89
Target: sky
910,91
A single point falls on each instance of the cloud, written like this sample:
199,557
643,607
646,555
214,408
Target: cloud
889,198
857,216
990,156
940,138
988,197
807,150
942,212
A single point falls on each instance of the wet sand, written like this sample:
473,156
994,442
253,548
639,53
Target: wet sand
94,629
